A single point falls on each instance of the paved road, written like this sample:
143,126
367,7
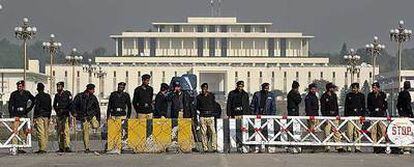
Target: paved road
208,160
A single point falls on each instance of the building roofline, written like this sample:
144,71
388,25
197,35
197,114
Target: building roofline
210,35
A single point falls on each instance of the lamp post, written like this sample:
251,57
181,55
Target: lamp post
89,68
100,74
352,61
374,48
400,35
73,59
25,32
52,47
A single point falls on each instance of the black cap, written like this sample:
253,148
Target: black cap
295,85
176,84
145,76
376,84
407,85
40,86
20,83
164,86
330,85
264,85
240,83
312,85
122,84
60,83
354,85
204,85
90,86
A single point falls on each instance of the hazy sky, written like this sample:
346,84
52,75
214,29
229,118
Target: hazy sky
87,24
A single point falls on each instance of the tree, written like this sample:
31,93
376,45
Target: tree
344,50
100,51
320,84
342,95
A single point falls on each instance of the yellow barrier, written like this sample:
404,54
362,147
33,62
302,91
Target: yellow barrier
153,135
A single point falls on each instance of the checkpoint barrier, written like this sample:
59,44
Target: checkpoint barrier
295,131
151,135
15,133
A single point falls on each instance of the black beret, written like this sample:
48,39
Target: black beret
90,86
20,82
376,84
204,85
40,86
164,86
355,85
312,85
265,84
176,84
121,84
330,85
240,83
60,83
145,76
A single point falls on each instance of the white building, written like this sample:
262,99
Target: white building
219,50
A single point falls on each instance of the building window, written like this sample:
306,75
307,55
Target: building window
273,74
212,46
370,74
261,74
153,46
321,75
358,75
126,74
346,74
66,73
283,47
200,28
285,74
176,28
114,74
271,47
53,73
175,73
247,28
236,74
333,75
200,47
78,74
211,28
223,28
223,44
248,74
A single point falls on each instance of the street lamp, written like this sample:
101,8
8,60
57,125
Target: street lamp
24,33
352,61
73,59
374,48
89,68
52,47
100,74
400,35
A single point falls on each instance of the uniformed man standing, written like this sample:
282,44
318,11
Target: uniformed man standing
293,100
354,106
404,106
263,102
42,112
180,102
62,105
329,107
119,108
205,104
161,102
21,102
238,102
312,108
86,109
377,106
142,100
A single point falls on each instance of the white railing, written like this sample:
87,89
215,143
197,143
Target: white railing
294,131
16,127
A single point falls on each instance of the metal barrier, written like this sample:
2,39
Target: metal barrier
17,133
305,131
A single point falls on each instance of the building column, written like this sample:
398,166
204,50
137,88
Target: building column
116,47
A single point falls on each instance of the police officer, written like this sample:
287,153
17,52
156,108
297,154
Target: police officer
404,106
21,102
354,106
312,107
119,108
263,102
62,105
180,102
377,106
86,109
238,102
205,104
293,100
329,107
161,102
42,112
142,100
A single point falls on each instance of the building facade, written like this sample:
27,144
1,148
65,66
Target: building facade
219,50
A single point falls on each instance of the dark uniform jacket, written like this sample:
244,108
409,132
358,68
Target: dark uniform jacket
86,106
180,101
311,105
293,101
355,104
263,103
18,103
238,103
161,105
206,104
43,105
404,104
62,103
329,104
377,104
142,100
118,104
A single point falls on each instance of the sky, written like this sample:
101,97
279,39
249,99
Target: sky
87,24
